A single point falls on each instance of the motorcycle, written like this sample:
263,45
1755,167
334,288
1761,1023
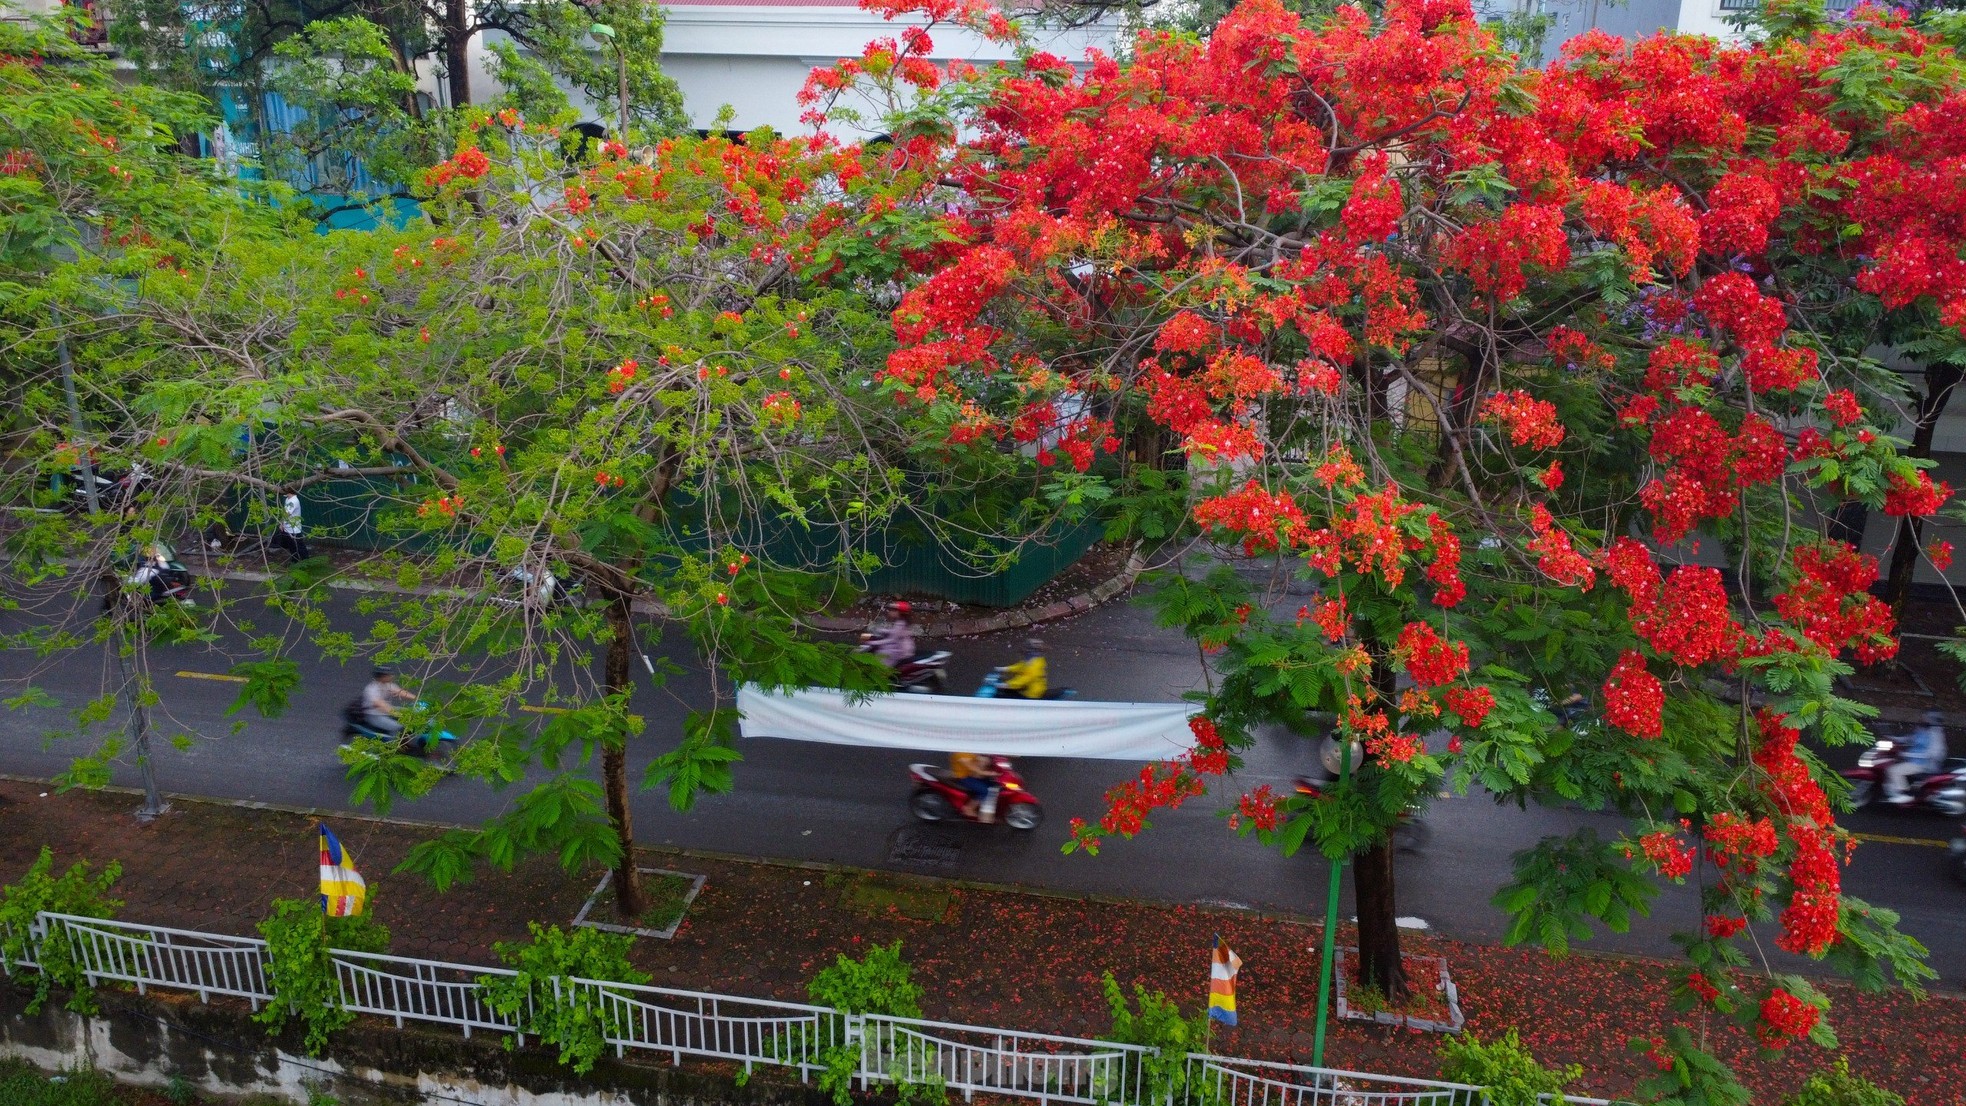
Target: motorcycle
1410,833
155,575
114,490
939,798
1943,791
993,688
523,587
355,725
924,675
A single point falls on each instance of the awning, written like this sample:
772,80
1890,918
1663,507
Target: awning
951,724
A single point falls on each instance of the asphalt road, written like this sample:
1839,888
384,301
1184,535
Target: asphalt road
845,805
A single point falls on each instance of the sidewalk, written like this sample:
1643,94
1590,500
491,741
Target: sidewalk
984,956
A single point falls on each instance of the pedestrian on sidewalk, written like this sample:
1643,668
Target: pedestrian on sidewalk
288,536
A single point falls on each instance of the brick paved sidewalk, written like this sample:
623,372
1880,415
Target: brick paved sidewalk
985,956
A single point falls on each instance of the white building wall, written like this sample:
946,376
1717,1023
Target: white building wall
755,57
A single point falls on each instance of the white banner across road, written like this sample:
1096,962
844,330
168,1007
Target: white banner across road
961,724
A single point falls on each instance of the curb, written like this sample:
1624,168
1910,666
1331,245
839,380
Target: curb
1941,988
1013,619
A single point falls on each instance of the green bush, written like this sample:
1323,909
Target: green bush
74,892
298,936
24,1085
1158,1024
1839,1087
879,983
1511,1075
569,1017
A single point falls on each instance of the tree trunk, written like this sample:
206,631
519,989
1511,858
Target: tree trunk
457,53
1372,873
1940,380
614,766
1379,965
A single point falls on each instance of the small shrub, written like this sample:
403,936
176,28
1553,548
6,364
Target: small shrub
298,937
180,1091
73,892
1840,1087
1511,1075
572,1018
1158,1024
879,983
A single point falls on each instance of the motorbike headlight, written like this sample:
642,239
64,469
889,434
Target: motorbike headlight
1013,787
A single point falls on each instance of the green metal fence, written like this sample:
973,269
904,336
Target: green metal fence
354,513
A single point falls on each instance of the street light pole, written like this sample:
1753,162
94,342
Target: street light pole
602,30
1330,920
153,802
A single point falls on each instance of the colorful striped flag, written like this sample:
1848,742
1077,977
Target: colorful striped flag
1222,969
342,888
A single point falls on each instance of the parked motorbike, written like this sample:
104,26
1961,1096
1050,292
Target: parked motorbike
993,688
939,798
924,675
1410,833
432,739
1943,792
154,575
524,587
114,489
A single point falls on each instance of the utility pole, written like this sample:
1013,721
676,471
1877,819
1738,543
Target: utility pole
87,463
153,803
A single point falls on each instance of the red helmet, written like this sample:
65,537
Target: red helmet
902,607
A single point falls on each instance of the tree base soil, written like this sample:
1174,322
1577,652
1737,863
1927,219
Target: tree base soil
1427,1003
983,956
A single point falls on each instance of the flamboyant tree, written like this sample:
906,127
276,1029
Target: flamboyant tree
1547,382
612,372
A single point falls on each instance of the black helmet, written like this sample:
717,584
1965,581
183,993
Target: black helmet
384,672
1033,645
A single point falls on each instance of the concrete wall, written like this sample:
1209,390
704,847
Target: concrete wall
219,1050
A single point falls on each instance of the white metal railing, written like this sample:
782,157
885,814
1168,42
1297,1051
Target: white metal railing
207,963
1228,1081
26,960
718,1027
970,1059
407,989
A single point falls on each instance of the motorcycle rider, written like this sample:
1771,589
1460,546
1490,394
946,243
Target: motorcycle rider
1027,677
977,775
893,641
1924,753
379,699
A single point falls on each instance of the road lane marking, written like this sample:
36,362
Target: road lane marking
1887,839
221,677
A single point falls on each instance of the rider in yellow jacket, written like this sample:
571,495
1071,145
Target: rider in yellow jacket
1026,677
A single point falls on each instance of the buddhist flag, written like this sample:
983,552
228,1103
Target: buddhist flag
1222,969
342,888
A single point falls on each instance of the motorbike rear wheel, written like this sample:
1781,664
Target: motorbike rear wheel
931,806
1861,793
1023,816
